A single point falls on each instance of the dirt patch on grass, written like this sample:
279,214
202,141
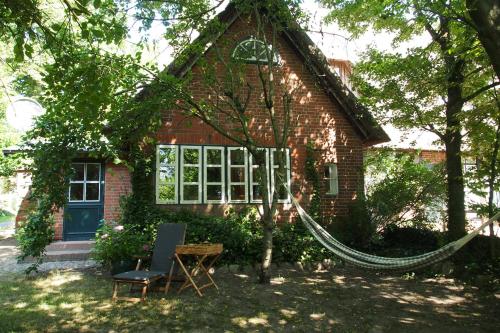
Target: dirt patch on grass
342,300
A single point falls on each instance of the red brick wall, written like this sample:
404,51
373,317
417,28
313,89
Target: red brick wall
58,224
117,184
316,118
433,156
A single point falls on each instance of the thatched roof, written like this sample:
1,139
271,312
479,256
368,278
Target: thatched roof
316,62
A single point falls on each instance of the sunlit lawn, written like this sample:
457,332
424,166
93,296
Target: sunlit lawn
344,300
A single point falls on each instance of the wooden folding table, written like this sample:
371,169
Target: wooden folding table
202,253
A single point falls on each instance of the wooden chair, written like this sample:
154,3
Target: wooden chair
162,262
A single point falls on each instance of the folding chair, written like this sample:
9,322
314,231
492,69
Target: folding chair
162,263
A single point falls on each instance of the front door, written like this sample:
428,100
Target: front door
85,206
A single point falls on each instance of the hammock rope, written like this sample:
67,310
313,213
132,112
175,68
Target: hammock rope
370,261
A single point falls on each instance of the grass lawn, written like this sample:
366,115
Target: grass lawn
6,218
343,300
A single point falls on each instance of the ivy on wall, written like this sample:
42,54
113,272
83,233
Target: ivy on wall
312,176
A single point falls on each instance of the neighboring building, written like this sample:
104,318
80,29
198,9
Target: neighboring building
201,170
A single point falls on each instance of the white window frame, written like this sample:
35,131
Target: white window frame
332,181
176,173
85,182
206,183
250,45
230,167
251,167
287,171
199,166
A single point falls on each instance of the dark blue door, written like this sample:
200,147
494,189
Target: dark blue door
85,207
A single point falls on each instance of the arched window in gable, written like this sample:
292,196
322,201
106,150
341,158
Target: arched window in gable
253,51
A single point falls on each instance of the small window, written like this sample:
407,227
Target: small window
214,190
331,179
237,174
253,51
190,174
85,185
255,177
277,178
166,174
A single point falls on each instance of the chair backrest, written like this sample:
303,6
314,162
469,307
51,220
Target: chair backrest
169,235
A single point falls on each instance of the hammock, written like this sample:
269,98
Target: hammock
376,262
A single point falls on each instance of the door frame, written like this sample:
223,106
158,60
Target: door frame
100,203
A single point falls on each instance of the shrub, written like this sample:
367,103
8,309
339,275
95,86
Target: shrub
407,241
293,242
115,243
404,192
239,231
356,229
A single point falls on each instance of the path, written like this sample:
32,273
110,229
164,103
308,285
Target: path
9,253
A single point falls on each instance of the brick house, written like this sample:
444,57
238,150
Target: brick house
200,169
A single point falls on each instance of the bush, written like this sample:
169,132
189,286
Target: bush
407,241
115,243
356,229
404,192
240,232
293,242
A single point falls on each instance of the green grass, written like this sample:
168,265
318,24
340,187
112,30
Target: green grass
342,301
6,216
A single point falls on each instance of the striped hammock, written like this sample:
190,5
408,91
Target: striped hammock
382,263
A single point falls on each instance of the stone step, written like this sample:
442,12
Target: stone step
68,255
73,245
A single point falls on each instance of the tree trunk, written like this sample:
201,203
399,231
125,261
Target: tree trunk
453,142
268,206
491,188
267,250
485,15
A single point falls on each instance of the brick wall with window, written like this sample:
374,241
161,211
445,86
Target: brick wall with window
317,118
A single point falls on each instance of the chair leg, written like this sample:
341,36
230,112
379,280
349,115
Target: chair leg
115,291
169,279
144,291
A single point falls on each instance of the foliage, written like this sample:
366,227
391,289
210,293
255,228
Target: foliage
36,232
240,232
115,243
408,241
356,229
426,86
293,243
403,192
312,176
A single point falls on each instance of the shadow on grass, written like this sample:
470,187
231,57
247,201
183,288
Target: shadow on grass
344,300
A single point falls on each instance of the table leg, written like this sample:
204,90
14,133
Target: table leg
190,280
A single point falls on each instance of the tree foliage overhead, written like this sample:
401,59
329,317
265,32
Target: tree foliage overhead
430,86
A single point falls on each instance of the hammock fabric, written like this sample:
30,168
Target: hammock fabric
383,263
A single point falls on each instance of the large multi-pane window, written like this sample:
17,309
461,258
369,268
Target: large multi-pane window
85,185
189,174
